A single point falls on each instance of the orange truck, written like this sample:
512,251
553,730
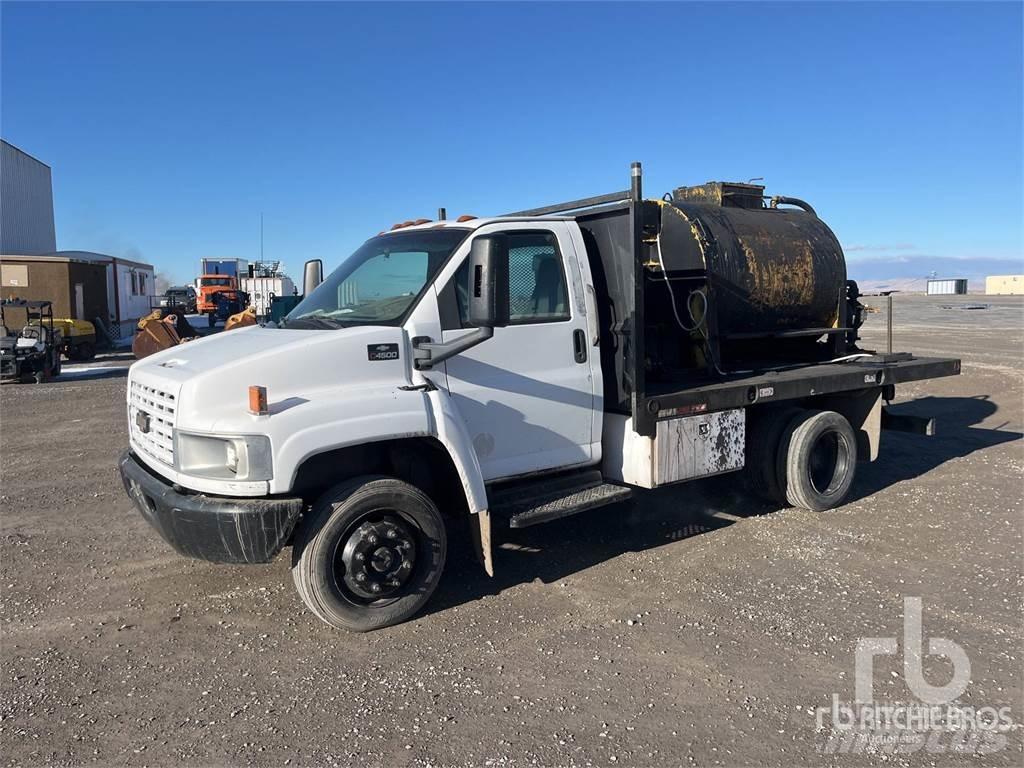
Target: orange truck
218,296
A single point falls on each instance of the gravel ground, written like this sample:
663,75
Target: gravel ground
692,627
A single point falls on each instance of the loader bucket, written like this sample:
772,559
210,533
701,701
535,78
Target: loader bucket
155,334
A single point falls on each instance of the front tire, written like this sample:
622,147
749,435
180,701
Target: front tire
370,554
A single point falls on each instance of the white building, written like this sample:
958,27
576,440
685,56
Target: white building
26,203
946,286
1004,285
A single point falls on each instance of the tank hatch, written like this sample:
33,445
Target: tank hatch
729,194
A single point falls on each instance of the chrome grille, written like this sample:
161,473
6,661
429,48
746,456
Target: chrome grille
153,409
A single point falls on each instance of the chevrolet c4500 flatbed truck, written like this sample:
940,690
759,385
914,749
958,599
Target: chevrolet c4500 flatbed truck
518,369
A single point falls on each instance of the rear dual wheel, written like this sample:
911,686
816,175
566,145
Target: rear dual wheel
804,458
817,460
370,553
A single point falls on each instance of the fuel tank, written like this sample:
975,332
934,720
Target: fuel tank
769,269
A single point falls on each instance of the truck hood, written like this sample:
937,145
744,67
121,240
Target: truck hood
209,378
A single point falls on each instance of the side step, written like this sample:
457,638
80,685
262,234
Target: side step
527,503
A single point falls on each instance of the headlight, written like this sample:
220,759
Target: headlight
243,457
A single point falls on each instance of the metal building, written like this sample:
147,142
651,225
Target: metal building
947,286
26,203
1004,285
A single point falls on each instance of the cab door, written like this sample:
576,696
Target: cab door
527,395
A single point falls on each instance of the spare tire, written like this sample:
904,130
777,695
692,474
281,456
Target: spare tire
817,460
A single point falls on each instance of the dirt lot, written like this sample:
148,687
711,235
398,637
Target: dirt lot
693,627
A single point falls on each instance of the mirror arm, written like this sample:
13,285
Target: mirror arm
426,355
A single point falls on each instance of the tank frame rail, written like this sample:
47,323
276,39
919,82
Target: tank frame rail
792,384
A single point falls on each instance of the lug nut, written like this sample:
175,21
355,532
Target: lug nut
375,587
373,538
392,533
360,577
360,556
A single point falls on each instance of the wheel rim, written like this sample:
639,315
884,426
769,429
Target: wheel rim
828,462
376,557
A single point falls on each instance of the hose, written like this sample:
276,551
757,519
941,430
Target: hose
672,296
780,200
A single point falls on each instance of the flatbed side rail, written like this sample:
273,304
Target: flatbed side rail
792,384
573,205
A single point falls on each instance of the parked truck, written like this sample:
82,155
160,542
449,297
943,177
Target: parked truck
263,289
513,370
219,297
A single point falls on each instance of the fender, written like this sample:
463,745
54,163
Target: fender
451,431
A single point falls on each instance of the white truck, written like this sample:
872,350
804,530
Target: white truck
262,289
516,369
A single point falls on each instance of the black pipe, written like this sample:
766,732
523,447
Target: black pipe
636,185
780,200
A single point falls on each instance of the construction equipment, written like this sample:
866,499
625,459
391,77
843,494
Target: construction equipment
33,351
160,330
79,338
219,297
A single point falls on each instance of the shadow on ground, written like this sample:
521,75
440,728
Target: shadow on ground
552,551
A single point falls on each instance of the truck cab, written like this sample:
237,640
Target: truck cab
217,295
475,368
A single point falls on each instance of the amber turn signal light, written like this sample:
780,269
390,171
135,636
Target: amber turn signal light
258,401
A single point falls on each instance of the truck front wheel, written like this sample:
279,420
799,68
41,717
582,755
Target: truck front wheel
369,554
817,460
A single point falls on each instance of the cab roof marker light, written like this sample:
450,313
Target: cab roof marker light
258,401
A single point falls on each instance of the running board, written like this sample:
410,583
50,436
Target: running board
528,503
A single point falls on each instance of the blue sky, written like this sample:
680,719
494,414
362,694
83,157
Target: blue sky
170,127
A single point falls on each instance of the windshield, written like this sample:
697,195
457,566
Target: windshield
215,281
378,283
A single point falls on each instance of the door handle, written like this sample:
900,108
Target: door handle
579,345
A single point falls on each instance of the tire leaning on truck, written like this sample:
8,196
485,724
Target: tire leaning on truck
369,554
816,460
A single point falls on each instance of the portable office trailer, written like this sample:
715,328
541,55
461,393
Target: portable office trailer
129,285
76,287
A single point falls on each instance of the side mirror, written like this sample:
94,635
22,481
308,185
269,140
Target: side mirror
312,275
488,282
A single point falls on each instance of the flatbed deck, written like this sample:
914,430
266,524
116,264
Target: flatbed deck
792,384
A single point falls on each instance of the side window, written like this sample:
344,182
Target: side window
536,280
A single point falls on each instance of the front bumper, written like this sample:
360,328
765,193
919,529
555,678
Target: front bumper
214,528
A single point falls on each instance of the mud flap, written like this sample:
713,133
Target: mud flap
482,540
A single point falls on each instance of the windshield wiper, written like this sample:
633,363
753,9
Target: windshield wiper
316,321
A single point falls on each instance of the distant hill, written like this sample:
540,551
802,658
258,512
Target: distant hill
909,273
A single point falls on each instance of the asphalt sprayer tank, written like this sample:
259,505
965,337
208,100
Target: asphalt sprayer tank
768,269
